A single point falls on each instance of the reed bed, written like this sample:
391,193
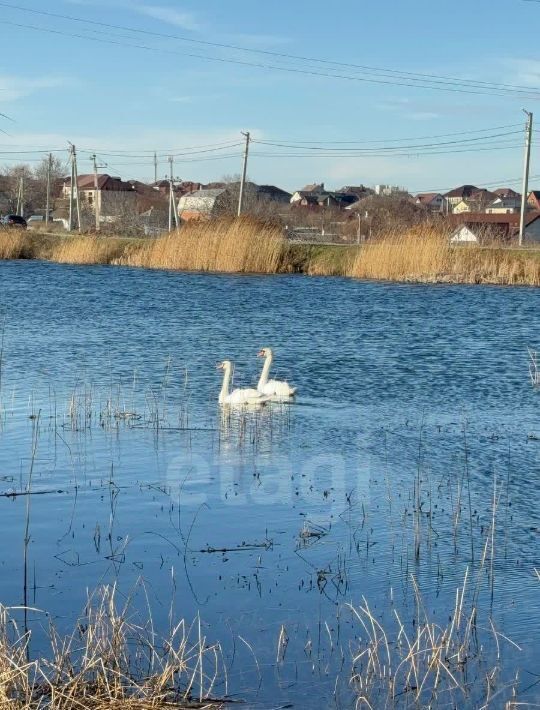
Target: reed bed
111,660
427,663
426,255
87,249
243,245
248,245
15,244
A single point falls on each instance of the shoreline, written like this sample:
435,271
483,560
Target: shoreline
247,247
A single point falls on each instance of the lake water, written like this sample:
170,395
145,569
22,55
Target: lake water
271,523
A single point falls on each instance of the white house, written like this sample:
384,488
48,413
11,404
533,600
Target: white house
463,235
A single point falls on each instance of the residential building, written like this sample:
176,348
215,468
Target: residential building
493,226
504,205
464,206
506,193
201,204
458,194
113,196
432,201
360,191
533,200
388,190
209,202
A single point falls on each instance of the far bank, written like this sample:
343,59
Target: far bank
246,245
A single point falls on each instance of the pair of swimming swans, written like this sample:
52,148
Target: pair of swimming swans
267,390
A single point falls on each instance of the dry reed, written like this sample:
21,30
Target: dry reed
425,255
242,245
14,244
425,664
109,661
86,250
249,245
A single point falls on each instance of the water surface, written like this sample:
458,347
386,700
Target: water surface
108,395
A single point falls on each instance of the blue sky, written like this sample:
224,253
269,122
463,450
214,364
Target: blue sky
110,97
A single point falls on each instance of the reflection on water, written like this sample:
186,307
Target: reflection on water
414,431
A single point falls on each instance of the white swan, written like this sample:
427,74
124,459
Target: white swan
272,388
239,396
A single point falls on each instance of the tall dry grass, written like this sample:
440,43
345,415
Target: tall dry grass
425,255
86,249
243,245
113,659
15,244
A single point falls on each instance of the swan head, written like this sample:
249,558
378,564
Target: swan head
265,352
225,365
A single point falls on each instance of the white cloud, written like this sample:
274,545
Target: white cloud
178,18
17,87
525,72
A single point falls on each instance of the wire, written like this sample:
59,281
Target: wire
507,181
412,76
501,92
124,154
414,138
392,148
409,154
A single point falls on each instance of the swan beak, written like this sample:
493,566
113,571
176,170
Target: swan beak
219,366
260,353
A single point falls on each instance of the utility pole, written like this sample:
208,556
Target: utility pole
173,212
97,198
526,163
20,197
71,187
244,173
155,167
74,191
48,200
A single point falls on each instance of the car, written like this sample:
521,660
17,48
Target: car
13,220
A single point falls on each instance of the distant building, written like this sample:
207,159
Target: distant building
113,196
387,190
210,202
432,201
458,194
320,199
533,200
506,193
493,226
504,205
201,204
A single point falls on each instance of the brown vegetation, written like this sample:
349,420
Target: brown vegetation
247,245
86,250
111,660
240,245
15,244
425,255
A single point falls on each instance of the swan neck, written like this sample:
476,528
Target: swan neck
265,371
226,382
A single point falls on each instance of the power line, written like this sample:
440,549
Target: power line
397,140
406,82
412,76
409,154
141,154
392,148
496,183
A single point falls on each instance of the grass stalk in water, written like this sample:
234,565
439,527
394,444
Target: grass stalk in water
112,659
